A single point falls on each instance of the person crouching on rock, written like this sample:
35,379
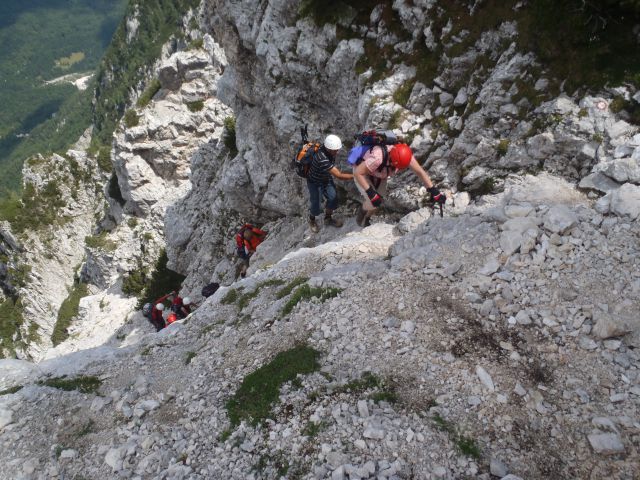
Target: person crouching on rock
376,166
185,308
320,182
156,313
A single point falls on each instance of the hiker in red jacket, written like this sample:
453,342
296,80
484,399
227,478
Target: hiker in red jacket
247,240
156,313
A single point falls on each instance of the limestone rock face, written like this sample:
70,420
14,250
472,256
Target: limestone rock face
54,250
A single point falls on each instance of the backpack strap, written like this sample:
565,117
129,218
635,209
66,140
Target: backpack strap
385,159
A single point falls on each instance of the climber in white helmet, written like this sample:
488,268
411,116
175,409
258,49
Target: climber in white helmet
156,313
320,182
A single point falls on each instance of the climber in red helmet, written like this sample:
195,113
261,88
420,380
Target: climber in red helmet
376,166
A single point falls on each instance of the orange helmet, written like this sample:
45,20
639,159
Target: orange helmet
400,156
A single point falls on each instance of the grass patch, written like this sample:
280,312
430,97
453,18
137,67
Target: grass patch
231,297
466,445
68,311
290,286
367,381
208,328
312,429
388,396
244,299
188,357
195,106
224,435
305,292
260,389
149,92
10,390
396,119
402,93
88,428
84,384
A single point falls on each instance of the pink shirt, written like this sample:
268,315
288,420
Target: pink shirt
373,159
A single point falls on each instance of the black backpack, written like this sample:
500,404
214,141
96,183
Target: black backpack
210,289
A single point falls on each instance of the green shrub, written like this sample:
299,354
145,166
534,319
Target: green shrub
253,399
149,92
503,147
195,106
36,208
133,283
84,384
103,158
196,44
11,320
162,281
100,241
68,310
131,118
229,137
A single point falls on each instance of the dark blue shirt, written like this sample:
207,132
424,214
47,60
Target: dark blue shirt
321,163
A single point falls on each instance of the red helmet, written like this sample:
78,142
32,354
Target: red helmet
400,156
171,318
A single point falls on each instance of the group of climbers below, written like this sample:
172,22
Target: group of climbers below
180,308
373,164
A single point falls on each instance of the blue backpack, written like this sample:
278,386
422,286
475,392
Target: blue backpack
365,142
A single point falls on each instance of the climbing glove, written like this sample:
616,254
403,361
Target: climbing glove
436,196
375,197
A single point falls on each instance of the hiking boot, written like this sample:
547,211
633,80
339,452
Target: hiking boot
334,222
360,216
313,225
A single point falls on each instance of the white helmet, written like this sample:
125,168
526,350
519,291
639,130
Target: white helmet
186,301
333,142
160,306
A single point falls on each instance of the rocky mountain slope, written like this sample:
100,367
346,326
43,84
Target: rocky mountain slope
483,361
497,341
